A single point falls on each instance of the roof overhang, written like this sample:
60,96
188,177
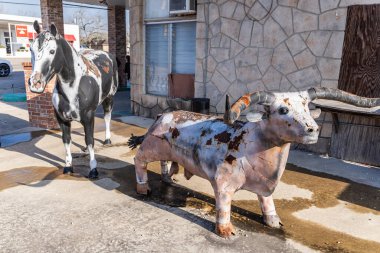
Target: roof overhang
124,3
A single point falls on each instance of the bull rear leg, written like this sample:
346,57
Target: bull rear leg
270,217
88,124
151,149
142,186
166,174
223,199
66,138
107,107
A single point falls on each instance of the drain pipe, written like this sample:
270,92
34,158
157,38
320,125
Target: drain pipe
206,10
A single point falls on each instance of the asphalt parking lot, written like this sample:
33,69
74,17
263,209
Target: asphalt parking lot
13,83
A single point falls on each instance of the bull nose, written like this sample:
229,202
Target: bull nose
312,129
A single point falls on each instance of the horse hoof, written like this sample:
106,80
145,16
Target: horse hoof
143,189
107,142
272,221
68,170
93,174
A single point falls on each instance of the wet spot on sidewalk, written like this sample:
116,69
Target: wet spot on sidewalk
31,176
328,191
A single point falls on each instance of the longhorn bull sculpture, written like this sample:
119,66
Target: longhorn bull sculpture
85,80
236,155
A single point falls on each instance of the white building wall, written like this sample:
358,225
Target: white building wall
5,19
73,30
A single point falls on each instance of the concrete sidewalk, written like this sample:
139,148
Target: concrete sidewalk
325,204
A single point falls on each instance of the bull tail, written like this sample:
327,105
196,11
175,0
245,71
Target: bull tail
134,141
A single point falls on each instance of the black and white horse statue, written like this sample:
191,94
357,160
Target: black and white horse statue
85,80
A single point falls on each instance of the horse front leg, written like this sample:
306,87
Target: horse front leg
107,108
66,138
88,124
268,209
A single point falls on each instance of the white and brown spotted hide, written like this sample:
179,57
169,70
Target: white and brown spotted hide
232,154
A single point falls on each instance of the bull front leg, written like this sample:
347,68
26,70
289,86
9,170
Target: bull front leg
88,124
223,199
268,209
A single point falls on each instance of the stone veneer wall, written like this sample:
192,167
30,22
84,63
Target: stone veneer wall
296,46
242,48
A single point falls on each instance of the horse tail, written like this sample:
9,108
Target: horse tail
134,141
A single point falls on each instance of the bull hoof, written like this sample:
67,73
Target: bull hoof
93,174
166,178
272,221
143,189
225,230
107,142
68,170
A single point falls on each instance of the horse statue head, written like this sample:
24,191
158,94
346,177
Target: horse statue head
48,57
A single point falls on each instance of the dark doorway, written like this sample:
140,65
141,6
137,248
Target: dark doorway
8,45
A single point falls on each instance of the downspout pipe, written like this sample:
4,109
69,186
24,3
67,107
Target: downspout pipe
206,10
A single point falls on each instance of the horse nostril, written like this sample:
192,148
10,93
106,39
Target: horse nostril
310,130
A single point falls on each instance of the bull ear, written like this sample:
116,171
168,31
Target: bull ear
36,27
53,30
315,113
255,116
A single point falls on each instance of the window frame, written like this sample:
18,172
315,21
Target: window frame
156,21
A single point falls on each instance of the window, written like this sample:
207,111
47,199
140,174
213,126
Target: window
169,46
182,6
156,59
156,9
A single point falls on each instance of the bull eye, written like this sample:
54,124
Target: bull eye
283,110
52,51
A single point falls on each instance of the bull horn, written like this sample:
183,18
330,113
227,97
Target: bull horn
227,109
260,97
342,96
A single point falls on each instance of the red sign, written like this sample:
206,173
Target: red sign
21,31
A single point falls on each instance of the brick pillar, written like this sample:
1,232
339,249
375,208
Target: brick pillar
117,38
52,13
40,106
136,12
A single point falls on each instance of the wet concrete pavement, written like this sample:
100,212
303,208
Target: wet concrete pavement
42,210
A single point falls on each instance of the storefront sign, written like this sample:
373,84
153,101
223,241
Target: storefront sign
21,31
